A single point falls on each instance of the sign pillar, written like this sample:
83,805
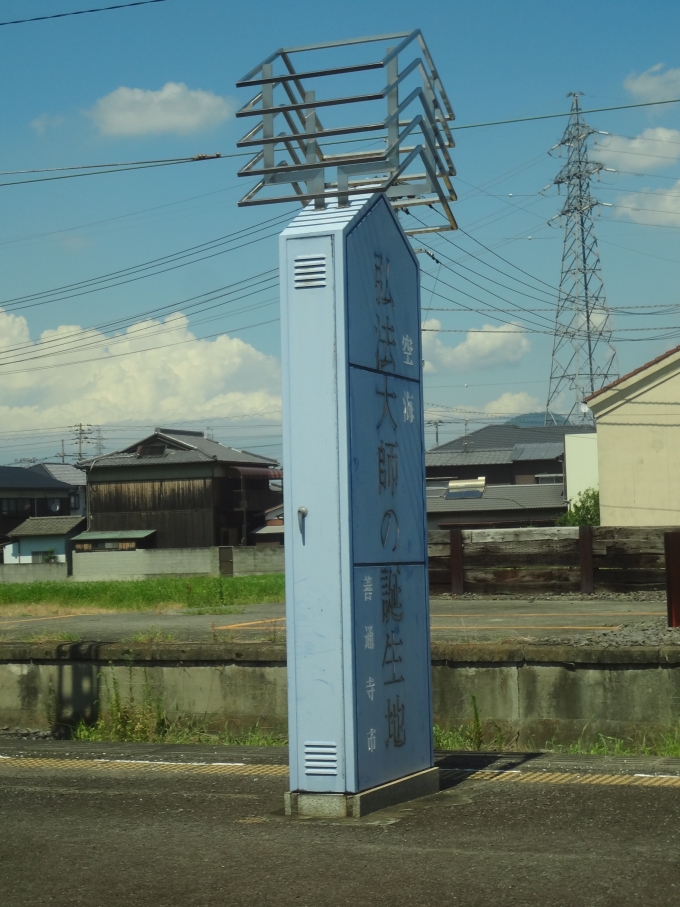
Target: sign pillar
359,696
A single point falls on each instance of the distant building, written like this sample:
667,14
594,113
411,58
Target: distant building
580,465
506,454
272,531
70,475
43,540
194,492
638,429
25,493
476,505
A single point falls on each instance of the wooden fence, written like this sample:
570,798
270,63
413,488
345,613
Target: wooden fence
559,559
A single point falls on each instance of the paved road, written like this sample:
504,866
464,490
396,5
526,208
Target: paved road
74,830
450,619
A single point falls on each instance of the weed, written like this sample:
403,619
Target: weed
151,635
46,636
142,718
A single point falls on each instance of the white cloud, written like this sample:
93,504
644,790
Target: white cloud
488,347
47,121
199,380
513,404
175,108
654,84
659,206
652,149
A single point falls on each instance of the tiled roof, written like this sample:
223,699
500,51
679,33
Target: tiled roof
507,435
546,450
46,525
62,472
20,479
183,447
500,497
439,457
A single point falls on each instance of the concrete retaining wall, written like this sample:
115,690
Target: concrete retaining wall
147,562
532,694
32,573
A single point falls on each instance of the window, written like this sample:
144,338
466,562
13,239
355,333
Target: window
38,557
16,507
74,500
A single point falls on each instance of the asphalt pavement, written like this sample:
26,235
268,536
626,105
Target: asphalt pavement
105,825
451,619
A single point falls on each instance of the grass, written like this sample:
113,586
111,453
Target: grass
468,737
200,595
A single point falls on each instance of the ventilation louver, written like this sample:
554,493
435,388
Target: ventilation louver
321,758
310,271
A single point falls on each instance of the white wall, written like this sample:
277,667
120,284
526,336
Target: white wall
580,464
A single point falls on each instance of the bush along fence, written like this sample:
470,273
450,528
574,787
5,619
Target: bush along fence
559,559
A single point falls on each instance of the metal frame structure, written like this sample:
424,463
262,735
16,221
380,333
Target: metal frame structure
583,358
287,107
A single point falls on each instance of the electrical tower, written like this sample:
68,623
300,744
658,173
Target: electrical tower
583,358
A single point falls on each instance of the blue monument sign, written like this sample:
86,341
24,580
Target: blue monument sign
354,490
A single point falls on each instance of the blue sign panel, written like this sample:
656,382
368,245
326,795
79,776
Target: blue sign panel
387,475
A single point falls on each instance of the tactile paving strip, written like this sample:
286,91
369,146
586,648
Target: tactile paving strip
521,777
193,768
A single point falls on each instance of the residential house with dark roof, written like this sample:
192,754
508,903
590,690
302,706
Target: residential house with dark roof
499,475
194,492
71,475
25,493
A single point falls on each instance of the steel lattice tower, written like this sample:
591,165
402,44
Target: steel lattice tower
583,358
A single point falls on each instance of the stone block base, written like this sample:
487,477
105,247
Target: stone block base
340,806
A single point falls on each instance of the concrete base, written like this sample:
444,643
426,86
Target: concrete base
340,806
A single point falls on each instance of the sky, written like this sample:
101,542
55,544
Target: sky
198,344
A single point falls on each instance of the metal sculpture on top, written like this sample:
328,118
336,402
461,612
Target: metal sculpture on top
398,118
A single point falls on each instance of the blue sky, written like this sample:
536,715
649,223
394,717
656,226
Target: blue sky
62,105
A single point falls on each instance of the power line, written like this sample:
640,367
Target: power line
551,116
82,12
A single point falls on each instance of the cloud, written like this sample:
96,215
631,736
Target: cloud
654,84
47,121
489,347
175,108
204,379
513,404
660,207
651,150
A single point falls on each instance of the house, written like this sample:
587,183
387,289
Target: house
43,540
474,504
194,492
638,429
506,454
25,493
70,475
272,531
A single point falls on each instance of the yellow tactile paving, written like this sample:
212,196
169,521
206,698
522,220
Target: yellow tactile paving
192,768
239,769
521,777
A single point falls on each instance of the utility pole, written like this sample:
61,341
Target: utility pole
583,357
83,436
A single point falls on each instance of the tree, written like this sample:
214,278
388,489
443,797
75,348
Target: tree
585,511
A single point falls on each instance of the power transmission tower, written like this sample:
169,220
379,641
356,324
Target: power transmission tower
583,358
99,441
